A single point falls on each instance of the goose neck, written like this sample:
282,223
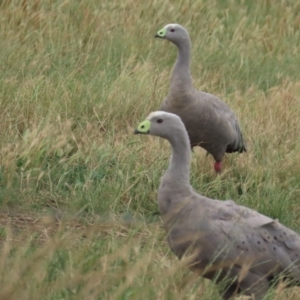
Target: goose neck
179,169
181,76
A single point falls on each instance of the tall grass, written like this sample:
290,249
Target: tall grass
76,78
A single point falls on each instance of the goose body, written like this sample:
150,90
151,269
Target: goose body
210,123
224,240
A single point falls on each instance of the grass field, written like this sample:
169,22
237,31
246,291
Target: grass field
78,211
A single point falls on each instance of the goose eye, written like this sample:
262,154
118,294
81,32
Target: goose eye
172,30
159,121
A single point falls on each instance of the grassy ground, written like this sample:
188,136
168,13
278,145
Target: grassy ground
78,205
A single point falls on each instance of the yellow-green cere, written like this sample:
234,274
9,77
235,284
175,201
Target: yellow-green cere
162,33
144,127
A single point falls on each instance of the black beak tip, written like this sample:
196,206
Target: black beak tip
136,131
156,35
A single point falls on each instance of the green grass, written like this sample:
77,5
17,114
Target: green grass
76,78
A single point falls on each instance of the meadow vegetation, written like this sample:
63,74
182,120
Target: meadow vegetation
78,211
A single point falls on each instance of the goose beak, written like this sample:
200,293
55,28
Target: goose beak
136,131
143,128
161,33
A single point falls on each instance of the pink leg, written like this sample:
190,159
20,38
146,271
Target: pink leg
218,166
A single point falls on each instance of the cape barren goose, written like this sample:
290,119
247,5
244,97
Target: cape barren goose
210,123
223,240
